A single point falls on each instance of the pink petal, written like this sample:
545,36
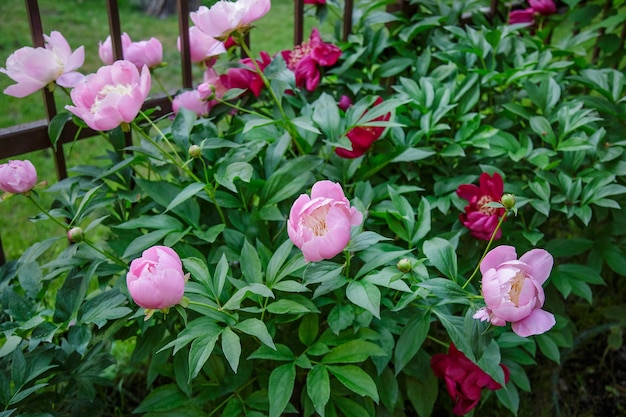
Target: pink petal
537,322
540,262
497,256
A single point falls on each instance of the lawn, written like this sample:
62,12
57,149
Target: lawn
84,22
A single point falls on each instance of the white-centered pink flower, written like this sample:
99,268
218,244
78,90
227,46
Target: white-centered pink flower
320,224
146,52
513,290
226,17
156,280
112,96
202,46
17,176
34,68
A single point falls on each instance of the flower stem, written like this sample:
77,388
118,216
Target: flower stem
493,235
161,86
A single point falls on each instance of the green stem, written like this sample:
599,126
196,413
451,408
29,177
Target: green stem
442,343
214,308
180,163
106,254
493,235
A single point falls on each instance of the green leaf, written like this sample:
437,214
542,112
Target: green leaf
340,317
326,116
188,192
280,388
356,380
543,129
509,397
548,347
289,179
228,172
280,353
163,398
56,125
411,339
235,301
278,259
308,329
318,388
364,240
284,306
103,307
143,242
182,126
366,295
198,270
18,368
250,263
442,255
201,349
354,351
231,346
160,221
257,328
490,362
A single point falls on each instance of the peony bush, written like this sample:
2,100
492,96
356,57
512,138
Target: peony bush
331,230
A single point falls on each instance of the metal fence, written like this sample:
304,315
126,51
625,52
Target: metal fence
20,139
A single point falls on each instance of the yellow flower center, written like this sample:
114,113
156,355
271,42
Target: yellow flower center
298,53
120,89
316,222
483,207
517,284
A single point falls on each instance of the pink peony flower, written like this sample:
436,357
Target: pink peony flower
320,225
149,53
226,17
544,7
191,100
105,49
202,46
246,76
522,16
212,87
363,137
112,96
464,379
156,280
479,218
34,68
17,176
513,290
307,58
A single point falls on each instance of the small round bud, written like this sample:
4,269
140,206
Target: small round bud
195,151
508,201
404,265
75,234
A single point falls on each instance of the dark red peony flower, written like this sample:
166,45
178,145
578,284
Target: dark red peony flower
307,58
362,137
464,379
247,76
479,218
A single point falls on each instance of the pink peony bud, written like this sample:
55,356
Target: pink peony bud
345,102
513,290
544,7
34,68
522,16
156,280
149,53
17,176
112,96
105,49
202,46
320,225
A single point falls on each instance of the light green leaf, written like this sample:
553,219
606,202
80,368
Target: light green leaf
442,255
280,388
354,351
257,328
356,380
366,295
318,388
187,192
231,346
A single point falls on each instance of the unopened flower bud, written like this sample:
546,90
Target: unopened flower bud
404,265
508,201
75,234
195,151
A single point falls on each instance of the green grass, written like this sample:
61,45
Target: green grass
85,22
